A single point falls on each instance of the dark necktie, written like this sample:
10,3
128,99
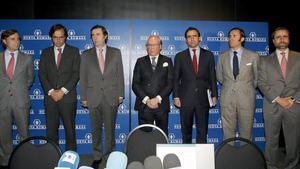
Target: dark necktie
10,67
235,68
153,63
195,65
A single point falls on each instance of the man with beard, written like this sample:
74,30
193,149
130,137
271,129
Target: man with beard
279,81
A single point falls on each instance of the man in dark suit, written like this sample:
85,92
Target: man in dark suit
102,90
16,77
152,85
194,74
59,74
278,80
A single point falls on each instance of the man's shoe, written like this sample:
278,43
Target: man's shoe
96,163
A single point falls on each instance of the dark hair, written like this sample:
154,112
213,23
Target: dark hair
280,28
104,31
58,27
242,33
7,33
190,29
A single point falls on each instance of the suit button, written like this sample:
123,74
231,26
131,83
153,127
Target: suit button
9,91
196,90
11,94
10,82
149,84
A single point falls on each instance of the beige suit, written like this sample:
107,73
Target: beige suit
272,84
237,100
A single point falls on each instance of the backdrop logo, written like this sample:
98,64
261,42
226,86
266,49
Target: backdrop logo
121,139
256,124
258,110
86,140
219,38
265,52
16,140
37,35
123,109
156,33
37,95
253,38
73,36
216,126
173,109
37,125
179,38
173,139
80,127
171,50
205,47
29,52
36,63
82,111
213,140
139,50
259,139
213,111
88,46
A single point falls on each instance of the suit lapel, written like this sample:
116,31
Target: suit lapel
63,58
20,62
3,67
148,65
190,62
290,64
228,66
158,65
244,59
108,58
275,62
52,58
94,60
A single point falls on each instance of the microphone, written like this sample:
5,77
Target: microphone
152,162
69,160
171,161
135,165
116,160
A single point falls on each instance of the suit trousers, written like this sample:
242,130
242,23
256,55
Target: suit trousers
67,112
20,115
187,119
288,119
103,114
148,116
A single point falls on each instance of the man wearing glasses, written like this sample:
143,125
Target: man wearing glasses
152,85
59,74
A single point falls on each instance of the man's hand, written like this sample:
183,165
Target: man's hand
152,103
84,103
285,102
214,100
177,102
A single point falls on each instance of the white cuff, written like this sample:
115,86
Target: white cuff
64,90
159,98
50,91
274,101
145,99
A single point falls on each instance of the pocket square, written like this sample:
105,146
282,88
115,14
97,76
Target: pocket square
165,64
249,64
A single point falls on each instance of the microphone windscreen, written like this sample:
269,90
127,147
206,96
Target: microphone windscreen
152,162
85,167
171,161
69,159
135,165
116,160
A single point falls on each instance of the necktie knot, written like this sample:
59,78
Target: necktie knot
12,54
153,63
282,54
59,50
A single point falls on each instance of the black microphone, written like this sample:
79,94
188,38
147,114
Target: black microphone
152,162
171,161
135,165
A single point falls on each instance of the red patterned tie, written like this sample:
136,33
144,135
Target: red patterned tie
10,67
195,61
101,61
58,57
283,64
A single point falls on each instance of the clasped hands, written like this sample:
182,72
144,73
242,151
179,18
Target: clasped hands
285,102
57,95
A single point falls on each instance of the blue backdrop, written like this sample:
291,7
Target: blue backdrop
130,36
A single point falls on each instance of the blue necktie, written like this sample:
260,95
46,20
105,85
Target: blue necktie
235,68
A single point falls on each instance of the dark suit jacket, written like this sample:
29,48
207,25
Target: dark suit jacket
149,83
190,87
66,76
93,83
